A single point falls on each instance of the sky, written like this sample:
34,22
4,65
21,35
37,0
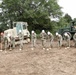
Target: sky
0,0
69,6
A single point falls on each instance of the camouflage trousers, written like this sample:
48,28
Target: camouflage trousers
21,44
33,42
51,43
43,43
75,44
59,43
68,43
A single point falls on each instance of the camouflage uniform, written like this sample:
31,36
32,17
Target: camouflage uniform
74,38
43,36
5,42
50,38
2,40
9,41
67,39
21,39
33,38
13,42
59,38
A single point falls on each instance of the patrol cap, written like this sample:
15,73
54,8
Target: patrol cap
65,34
32,31
56,33
43,31
48,33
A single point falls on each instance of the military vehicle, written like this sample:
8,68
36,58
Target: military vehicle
71,29
15,31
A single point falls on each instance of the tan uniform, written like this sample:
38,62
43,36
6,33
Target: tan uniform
59,38
5,43
33,39
13,42
67,39
2,41
9,40
74,38
43,38
51,39
21,40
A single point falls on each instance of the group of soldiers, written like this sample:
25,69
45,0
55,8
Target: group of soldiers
9,40
50,37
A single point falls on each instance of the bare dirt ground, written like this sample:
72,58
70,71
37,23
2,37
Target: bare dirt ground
38,61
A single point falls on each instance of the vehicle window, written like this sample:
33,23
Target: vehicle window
14,24
24,27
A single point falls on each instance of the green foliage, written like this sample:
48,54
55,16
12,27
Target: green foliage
63,22
75,19
68,18
35,12
55,26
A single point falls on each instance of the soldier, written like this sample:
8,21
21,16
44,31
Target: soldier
2,39
59,38
67,39
21,39
13,42
51,38
33,39
74,38
43,38
5,42
9,41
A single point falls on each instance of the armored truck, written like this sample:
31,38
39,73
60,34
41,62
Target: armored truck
71,29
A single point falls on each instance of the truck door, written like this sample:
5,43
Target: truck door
19,27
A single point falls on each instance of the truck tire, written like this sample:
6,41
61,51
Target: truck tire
68,34
74,38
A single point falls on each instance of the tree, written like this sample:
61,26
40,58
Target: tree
74,19
68,18
35,12
64,21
